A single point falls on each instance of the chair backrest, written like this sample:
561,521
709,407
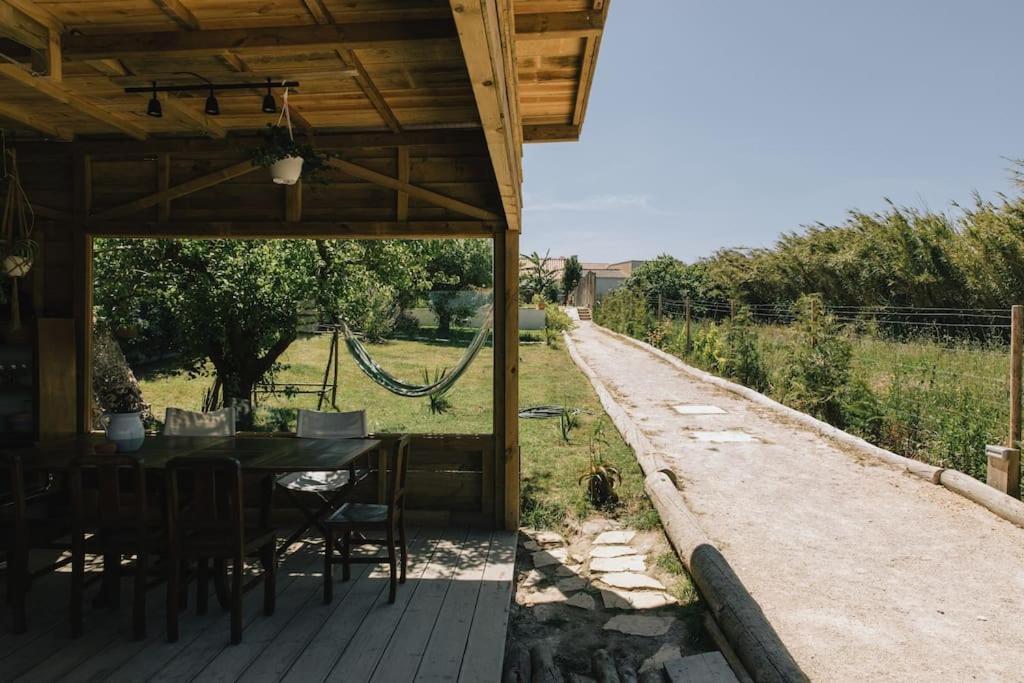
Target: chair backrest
178,422
398,474
12,488
205,498
313,424
108,491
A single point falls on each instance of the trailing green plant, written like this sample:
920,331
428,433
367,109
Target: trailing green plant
600,478
277,144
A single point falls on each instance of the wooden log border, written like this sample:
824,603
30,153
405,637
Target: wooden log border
1000,504
760,650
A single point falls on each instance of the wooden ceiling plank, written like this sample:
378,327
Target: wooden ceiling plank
415,191
402,208
178,191
557,25
181,14
369,89
551,133
318,11
31,119
57,92
477,25
182,112
272,40
587,69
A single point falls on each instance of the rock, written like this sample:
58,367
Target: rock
631,580
615,538
573,583
664,654
546,558
548,538
567,570
545,596
611,551
592,527
583,601
635,625
632,563
533,577
577,558
620,599
532,546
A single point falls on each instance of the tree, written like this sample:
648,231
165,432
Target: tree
456,269
536,278
572,273
670,278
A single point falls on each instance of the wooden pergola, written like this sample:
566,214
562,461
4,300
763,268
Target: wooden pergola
427,102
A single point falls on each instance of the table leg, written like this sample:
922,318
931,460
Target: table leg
382,475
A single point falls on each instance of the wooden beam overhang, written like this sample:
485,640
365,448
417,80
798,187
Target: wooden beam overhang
54,90
551,133
491,71
295,230
557,25
21,26
30,119
271,40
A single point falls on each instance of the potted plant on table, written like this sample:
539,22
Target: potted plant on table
121,401
286,158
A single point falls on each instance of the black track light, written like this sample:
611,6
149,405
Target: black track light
269,103
154,108
212,106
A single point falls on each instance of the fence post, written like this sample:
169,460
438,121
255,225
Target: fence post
688,339
660,306
1016,355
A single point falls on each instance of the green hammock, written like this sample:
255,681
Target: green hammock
374,371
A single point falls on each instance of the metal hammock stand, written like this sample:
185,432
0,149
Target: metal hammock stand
326,391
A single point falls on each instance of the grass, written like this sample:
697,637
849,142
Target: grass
552,495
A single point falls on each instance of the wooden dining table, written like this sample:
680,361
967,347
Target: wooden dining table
257,455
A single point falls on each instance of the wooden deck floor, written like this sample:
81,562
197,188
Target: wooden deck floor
448,624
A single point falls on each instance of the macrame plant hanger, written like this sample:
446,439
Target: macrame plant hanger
17,248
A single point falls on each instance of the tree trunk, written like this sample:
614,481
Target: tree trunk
444,324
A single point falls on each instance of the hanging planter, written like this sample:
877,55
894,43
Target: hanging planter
287,159
17,248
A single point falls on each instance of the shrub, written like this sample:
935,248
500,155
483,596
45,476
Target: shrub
557,320
730,349
816,376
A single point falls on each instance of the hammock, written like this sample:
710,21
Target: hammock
374,371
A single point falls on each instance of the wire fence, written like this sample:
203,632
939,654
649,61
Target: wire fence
932,383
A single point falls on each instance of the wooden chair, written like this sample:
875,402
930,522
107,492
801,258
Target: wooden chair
356,518
112,517
206,521
32,517
180,422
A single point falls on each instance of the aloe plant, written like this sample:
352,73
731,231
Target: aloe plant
601,479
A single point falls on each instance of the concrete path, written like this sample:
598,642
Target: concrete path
866,572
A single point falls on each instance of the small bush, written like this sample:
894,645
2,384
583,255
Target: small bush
557,320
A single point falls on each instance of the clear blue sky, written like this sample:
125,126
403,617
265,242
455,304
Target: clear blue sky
715,123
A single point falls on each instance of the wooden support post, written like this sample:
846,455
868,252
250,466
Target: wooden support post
293,203
1004,470
1016,355
506,379
83,289
689,338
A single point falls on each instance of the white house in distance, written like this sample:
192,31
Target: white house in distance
600,278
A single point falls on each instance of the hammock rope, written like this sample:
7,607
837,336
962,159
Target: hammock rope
374,371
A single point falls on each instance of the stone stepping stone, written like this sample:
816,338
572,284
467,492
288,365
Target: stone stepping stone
630,563
615,538
690,409
573,583
546,558
611,551
642,600
631,581
666,653
533,577
545,596
531,546
636,625
548,538
582,601
722,437
568,570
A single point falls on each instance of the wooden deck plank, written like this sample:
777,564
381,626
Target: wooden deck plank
404,653
364,651
485,650
441,658
47,606
320,655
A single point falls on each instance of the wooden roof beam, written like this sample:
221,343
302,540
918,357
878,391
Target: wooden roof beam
365,83
182,112
490,75
551,133
27,28
30,119
556,25
181,14
318,11
56,91
363,230
273,40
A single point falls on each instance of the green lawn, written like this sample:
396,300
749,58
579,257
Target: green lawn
551,467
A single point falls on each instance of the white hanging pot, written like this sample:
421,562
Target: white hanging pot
286,171
16,265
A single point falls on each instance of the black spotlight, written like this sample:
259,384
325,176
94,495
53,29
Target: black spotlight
269,103
154,109
212,107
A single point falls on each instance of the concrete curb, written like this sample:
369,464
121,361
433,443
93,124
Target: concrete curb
1000,504
737,614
